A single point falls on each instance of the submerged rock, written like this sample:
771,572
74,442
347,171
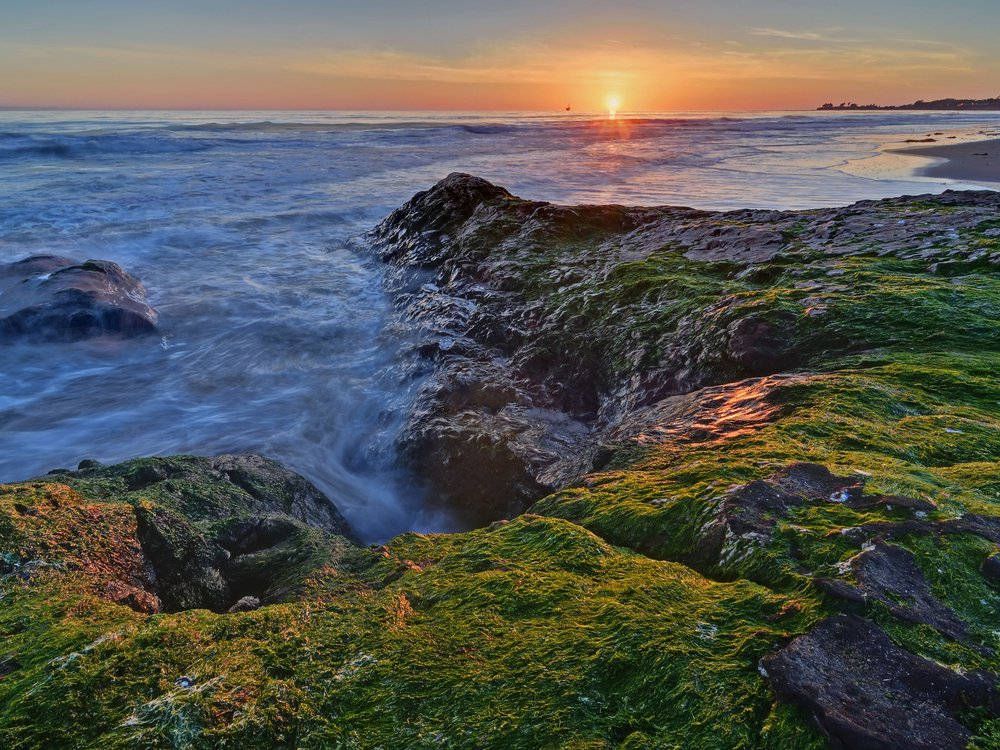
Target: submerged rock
48,297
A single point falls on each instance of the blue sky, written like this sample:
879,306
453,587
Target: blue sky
714,54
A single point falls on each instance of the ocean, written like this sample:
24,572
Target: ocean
247,230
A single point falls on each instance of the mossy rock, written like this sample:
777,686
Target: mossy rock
757,447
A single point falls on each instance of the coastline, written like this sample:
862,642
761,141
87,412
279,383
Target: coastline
978,161
742,453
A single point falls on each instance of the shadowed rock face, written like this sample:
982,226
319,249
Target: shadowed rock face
867,693
56,299
888,573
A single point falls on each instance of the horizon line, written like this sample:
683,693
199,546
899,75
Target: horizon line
603,112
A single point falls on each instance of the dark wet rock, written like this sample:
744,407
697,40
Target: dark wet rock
816,483
257,559
890,502
726,241
987,527
434,214
747,514
866,692
485,459
35,265
888,573
760,347
88,463
183,563
842,590
991,568
9,663
54,298
9,563
250,535
754,507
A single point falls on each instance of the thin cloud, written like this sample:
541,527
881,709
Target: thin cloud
785,34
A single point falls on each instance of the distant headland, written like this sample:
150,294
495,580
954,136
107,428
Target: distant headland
937,104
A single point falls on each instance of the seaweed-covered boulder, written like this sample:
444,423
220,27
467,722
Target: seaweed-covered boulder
178,532
210,488
48,297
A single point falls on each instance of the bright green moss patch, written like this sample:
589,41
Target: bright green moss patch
531,634
637,315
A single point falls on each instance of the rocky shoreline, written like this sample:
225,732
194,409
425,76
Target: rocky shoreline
733,480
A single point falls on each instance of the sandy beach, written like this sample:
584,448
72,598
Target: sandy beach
975,160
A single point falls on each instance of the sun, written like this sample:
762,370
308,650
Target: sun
614,103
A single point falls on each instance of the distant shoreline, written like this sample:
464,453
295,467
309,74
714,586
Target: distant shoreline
937,105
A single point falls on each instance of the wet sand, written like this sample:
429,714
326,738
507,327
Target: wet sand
978,161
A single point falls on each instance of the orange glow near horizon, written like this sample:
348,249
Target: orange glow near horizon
589,72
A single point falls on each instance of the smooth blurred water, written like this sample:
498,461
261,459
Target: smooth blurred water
243,228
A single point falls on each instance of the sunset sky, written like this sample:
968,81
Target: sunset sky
516,54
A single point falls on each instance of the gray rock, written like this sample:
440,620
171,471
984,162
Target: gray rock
245,604
525,391
53,298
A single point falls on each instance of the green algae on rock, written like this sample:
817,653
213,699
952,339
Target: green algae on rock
759,456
